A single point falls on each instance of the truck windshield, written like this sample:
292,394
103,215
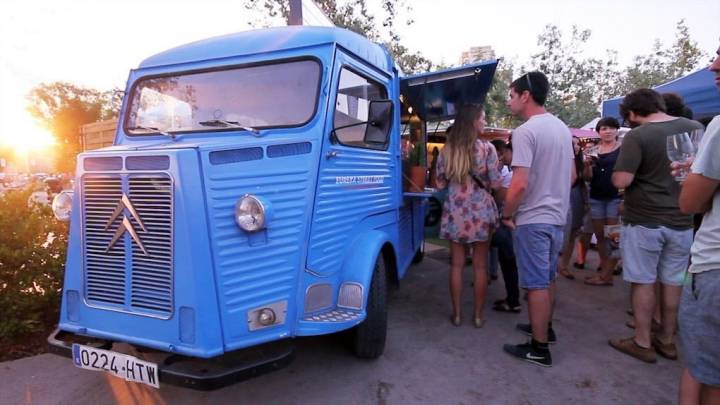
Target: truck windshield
272,95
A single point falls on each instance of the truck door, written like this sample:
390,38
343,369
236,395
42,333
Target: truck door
356,187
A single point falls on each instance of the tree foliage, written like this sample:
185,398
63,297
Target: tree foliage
663,64
356,16
63,108
31,265
579,84
496,111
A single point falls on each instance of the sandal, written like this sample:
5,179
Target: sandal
503,306
478,322
455,320
655,326
598,282
566,273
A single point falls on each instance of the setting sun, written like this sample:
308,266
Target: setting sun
27,136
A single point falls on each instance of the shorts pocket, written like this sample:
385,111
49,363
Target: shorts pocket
647,239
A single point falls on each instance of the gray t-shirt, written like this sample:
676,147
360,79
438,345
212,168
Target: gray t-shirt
706,247
544,144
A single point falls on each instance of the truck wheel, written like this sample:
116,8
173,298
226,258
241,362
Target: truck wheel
369,336
420,254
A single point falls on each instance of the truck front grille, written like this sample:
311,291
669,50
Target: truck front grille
128,242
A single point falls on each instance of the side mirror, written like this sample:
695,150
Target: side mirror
379,122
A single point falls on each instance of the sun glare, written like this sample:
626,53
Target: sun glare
27,137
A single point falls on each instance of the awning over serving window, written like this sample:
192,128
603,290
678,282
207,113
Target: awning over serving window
437,95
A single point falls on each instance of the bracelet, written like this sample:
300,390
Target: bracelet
507,217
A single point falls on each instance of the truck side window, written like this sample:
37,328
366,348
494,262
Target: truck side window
353,99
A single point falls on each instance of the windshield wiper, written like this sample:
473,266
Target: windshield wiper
228,124
152,129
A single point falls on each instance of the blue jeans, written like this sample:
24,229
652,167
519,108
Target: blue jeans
601,209
537,249
503,241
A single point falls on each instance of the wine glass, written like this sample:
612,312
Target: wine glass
696,136
680,149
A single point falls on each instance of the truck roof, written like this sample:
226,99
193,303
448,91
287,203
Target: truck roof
270,40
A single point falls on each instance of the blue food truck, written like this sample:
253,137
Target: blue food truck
253,194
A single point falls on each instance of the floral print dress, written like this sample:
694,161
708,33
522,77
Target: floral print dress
469,212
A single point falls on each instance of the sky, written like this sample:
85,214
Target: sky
96,43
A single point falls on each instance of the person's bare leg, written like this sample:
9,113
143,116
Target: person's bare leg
607,269
480,259
689,389
657,316
670,302
582,248
599,229
539,310
608,265
457,251
643,302
553,296
709,395
567,251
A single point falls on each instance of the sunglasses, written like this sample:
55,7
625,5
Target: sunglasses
529,83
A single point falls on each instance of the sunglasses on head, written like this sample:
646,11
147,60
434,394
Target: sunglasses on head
529,83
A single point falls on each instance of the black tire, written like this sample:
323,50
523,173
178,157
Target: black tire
369,336
420,254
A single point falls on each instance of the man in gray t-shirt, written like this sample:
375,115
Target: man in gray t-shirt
536,208
699,316
543,144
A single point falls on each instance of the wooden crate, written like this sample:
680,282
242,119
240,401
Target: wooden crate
98,134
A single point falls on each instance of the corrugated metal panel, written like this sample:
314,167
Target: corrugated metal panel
122,276
255,274
352,186
104,269
152,275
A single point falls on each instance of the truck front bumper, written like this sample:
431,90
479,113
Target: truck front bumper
190,372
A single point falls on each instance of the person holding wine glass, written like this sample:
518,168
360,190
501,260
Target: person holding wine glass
699,313
656,236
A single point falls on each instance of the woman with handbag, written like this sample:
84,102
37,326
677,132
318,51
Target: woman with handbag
468,167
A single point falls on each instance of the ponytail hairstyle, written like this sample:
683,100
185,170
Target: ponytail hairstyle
459,150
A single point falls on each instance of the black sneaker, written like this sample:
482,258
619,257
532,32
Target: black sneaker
526,352
527,329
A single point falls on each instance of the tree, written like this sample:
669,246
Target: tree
663,64
577,84
496,112
356,16
63,108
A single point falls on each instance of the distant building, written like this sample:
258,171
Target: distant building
477,54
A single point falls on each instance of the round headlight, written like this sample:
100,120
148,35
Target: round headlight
62,206
250,213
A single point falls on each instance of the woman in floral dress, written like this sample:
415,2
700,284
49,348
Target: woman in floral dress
468,166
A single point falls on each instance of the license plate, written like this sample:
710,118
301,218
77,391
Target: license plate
120,365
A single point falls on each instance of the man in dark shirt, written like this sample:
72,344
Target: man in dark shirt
656,238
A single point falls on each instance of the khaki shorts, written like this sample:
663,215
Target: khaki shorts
651,254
